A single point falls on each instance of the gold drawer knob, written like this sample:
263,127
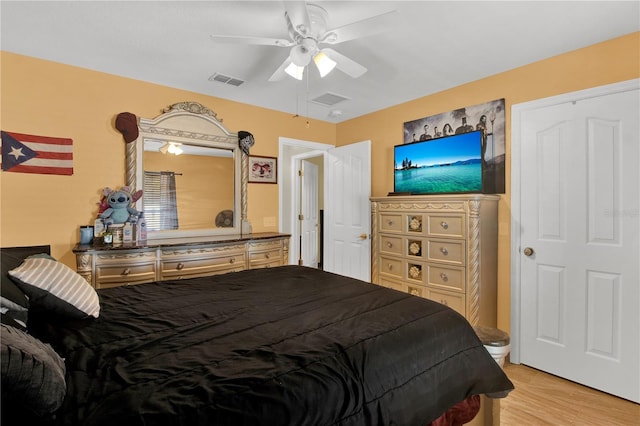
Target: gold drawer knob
126,272
389,244
444,225
389,266
232,260
266,255
444,302
390,222
180,266
444,277
444,251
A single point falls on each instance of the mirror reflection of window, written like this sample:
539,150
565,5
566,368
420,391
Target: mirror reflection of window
160,201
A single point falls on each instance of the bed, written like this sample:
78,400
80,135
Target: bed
282,346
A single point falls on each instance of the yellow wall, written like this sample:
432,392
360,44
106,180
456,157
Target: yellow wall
50,99
46,98
604,63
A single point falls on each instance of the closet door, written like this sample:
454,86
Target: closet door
580,238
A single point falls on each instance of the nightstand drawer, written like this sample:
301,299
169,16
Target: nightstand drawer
446,226
446,251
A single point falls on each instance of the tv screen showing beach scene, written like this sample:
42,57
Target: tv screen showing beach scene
447,165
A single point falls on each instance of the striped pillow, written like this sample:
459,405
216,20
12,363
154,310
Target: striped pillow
53,286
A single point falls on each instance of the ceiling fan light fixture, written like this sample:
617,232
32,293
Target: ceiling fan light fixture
171,148
324,63
300,55
295,71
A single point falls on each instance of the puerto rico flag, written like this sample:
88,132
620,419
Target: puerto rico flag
36,154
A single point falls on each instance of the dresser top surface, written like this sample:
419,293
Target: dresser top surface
172,242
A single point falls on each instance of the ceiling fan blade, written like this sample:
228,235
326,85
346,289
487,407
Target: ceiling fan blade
344,64
279,74
366,27
264,41
298,16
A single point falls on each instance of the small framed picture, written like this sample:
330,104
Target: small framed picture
263,169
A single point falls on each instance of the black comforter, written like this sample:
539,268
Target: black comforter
282,346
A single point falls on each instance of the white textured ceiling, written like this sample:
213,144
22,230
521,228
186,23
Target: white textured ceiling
434,45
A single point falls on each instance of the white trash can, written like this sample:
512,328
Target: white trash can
497,342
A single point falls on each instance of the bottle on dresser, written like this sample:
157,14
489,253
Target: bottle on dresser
98,227
141,229
127,232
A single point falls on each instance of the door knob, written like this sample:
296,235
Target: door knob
528,251
363,236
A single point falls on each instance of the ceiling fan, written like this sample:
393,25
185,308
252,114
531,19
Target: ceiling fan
307,28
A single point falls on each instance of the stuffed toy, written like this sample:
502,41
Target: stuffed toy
115,205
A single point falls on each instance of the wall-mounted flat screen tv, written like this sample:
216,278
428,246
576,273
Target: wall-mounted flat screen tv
447,165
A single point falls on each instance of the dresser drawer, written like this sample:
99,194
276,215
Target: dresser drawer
446,226
448,251
189,268
265,259
456,301
124,267
390,244
393,284
265,254
446,278
269,245
391,222
391,266
269,264
110,275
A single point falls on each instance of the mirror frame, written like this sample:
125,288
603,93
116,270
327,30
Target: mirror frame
191,123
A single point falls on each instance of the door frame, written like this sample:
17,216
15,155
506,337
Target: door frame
297,195
516,182
288,195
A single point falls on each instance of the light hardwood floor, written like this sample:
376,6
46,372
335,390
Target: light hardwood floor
543,399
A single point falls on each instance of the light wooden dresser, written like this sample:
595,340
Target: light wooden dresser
179,258
441,247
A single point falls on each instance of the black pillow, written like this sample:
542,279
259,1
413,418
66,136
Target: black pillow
33,374
13,301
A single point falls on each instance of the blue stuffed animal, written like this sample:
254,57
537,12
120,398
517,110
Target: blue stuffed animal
117,205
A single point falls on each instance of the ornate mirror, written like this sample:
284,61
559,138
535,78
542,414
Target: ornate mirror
192,173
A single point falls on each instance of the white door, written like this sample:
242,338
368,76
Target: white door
579,241
347,246
309,211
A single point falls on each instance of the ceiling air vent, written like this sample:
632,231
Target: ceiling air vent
221,78
329,99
